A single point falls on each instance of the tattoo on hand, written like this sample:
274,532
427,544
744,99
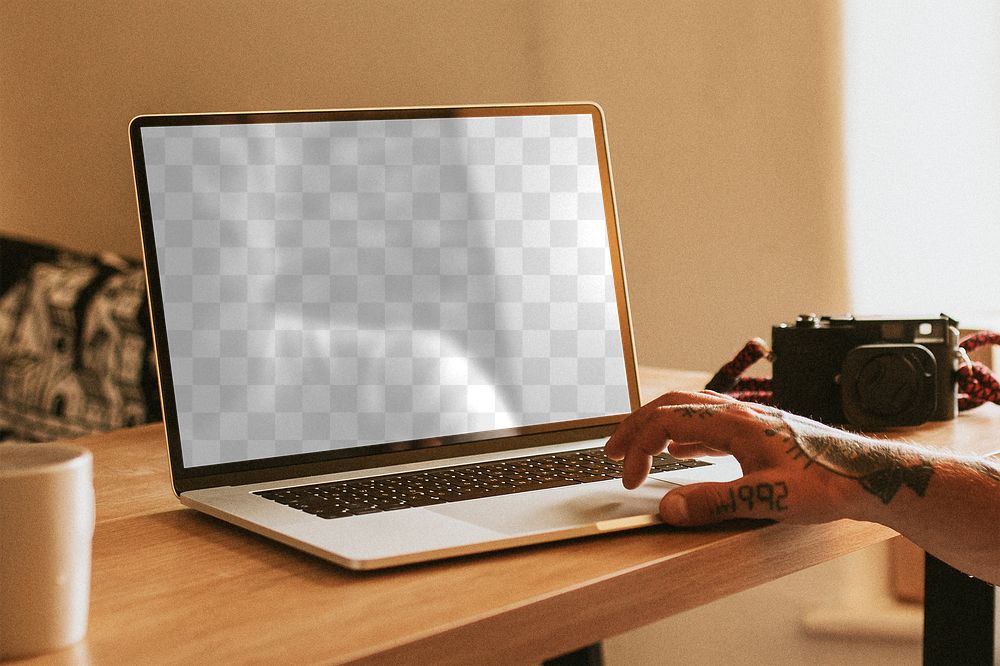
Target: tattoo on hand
762,495
880,470
701,411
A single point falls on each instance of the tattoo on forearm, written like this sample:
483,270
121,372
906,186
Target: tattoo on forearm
880,470
762,496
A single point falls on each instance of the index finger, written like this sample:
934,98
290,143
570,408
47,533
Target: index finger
627,431
720,425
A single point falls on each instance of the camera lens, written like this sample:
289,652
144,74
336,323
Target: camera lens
887,385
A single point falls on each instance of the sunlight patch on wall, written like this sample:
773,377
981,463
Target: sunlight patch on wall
922,157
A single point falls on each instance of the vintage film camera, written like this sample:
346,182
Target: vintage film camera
869,373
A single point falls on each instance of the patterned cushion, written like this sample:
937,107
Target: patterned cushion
75,344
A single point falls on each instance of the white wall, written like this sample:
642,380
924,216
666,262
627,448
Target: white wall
922,156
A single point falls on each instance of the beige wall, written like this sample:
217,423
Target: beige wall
723,119
74,74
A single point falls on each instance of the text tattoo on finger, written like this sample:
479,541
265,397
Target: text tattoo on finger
763,496
880,470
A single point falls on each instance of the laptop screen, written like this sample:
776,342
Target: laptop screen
345,284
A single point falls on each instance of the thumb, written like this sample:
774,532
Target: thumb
752,496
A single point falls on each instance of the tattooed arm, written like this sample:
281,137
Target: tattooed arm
801,471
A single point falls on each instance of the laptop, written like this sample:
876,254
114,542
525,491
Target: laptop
386,336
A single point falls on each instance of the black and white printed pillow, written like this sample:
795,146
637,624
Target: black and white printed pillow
75,344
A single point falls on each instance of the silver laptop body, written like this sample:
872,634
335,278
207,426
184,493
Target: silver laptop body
353,294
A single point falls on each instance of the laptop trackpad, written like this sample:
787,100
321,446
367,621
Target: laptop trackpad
558,508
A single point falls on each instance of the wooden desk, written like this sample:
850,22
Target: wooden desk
173,585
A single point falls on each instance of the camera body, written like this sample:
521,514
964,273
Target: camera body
870,373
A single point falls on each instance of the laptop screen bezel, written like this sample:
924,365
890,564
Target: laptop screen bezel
378,455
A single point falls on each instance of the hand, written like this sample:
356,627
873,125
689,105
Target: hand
794,469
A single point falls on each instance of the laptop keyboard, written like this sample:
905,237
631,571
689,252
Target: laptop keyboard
453,484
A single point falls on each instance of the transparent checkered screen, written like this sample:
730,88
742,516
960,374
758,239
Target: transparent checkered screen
329,285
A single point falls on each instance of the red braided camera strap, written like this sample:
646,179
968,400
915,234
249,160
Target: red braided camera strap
977,384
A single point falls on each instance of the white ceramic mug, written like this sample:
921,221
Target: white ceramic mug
46,529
